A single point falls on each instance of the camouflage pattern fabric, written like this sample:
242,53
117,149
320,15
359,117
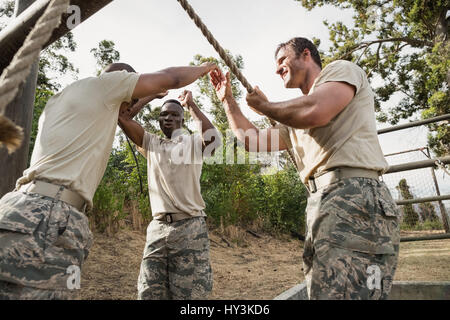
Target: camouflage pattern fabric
13,291
176,263
352,243
43,243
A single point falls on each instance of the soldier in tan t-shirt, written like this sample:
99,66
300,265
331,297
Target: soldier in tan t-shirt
352,237
44,233
175,264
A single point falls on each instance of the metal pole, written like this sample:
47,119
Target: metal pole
422,200
21,112
417,165
429,237
438,193
415,124
402,152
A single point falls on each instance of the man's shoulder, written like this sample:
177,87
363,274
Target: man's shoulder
117,75
343,65
85,82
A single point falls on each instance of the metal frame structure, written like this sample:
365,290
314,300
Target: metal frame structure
432,163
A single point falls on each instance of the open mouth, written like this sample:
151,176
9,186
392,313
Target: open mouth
283,75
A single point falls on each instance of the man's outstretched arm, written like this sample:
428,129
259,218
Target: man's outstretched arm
170,78
311,111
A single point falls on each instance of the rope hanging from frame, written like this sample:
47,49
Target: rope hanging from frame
225,57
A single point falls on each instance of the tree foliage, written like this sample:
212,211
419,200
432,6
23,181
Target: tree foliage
405,43
410,216
105,54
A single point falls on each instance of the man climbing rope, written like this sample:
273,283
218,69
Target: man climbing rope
44,233
352,242
176,261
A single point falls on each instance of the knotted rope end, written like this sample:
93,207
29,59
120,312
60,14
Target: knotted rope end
10,135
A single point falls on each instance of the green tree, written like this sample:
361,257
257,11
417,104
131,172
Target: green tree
406,44
427,211
105,54
6,12
410,216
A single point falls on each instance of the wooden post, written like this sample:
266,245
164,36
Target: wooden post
20,111
441,205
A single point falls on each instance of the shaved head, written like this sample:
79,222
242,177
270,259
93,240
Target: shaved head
118,66
176,103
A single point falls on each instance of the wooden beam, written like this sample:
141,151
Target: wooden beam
13,36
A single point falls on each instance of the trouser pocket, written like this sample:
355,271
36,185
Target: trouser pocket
21,217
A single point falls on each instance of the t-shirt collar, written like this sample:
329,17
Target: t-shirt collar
177,133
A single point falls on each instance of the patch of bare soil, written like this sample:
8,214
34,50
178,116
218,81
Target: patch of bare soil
245,266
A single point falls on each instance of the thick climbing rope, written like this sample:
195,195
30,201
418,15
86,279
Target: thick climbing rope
222,53
19,68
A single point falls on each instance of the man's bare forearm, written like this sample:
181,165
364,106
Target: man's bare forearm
140,104
296,113
238,122
186,75
202,122
199,117
170,78
132,129
246,131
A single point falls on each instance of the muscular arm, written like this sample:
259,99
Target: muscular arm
315,110
144,101
246,131
132,129
170,78
243,129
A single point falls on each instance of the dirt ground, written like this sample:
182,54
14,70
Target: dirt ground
244,266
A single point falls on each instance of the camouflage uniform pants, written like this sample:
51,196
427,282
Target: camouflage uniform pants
176,263
352,243
43,243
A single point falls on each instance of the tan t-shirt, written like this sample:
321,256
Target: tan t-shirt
174,167
348,140
76,131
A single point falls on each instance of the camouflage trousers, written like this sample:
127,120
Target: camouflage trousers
43,244
176,263
352,242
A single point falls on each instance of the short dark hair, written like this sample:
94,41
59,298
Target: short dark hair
175,102
299,45
118,66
